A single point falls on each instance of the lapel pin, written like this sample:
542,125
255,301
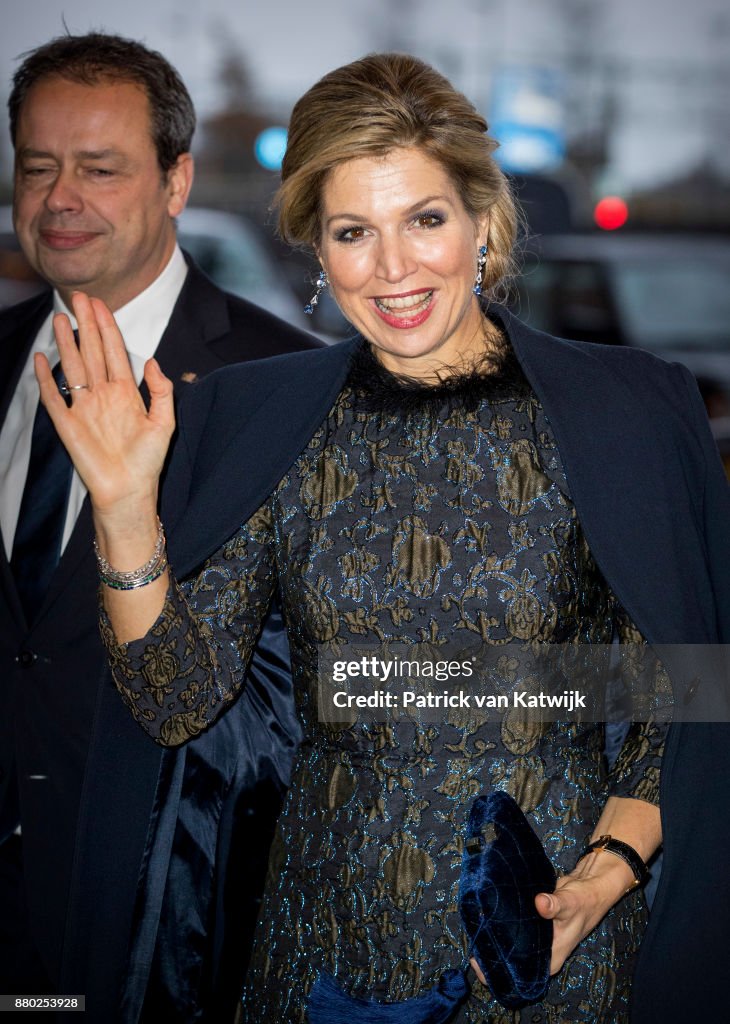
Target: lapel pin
189,377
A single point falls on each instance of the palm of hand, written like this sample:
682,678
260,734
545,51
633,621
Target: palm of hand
118,447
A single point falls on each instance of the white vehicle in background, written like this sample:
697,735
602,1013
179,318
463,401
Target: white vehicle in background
230,252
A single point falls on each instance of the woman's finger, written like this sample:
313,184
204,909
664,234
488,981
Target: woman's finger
90,346
162,409
563,903
50,395
72,363
547,905
478,971
116,358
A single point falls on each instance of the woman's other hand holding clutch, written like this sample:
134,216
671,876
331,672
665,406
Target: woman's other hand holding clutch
583,897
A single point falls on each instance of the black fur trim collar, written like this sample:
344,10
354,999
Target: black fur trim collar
497,376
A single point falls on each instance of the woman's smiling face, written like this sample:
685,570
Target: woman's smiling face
400,251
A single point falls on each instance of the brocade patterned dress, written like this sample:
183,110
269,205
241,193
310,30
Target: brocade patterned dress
412,516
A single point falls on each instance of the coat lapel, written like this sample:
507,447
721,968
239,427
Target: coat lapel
616,460
200,317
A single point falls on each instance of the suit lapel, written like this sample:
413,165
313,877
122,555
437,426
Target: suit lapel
24,324
199,318
16,344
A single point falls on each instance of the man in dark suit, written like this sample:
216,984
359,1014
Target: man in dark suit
101,128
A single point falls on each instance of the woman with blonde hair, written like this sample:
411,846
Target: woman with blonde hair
448,472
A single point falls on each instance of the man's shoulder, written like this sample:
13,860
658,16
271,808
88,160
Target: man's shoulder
246,315
26,312
246,331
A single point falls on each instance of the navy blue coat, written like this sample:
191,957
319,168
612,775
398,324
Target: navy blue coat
654,504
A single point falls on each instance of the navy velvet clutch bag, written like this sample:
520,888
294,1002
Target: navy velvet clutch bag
503,868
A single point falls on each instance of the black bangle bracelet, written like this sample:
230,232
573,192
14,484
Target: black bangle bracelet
625,852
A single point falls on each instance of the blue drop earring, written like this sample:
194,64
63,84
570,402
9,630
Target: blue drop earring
320,284
481,264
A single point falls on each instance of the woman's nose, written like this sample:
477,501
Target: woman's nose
394,261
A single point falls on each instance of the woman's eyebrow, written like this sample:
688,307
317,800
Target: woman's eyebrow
406,213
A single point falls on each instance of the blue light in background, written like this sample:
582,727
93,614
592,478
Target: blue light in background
270,146
527,118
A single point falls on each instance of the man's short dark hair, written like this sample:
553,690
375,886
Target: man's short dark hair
99,57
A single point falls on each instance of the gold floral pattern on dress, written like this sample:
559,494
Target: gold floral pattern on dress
342,786
519,734
520,479
160,668
524,613
326,482
418,558
524,780
183,726
321,609
355,566
406,871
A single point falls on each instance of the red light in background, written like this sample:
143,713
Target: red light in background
610,213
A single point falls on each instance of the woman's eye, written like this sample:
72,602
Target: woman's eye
429,220
350,234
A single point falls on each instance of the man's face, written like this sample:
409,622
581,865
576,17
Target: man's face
92,210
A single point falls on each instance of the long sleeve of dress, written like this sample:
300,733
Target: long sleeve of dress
192,663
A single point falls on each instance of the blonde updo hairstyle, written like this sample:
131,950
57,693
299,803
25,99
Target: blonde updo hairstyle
377,104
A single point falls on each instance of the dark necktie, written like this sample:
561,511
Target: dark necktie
39,532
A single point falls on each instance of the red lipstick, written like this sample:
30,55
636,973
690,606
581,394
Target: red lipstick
404,320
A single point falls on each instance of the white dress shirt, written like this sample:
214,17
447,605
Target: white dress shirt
142,323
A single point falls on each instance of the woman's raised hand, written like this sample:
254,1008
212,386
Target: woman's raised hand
118,447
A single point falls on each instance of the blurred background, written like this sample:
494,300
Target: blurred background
613,122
